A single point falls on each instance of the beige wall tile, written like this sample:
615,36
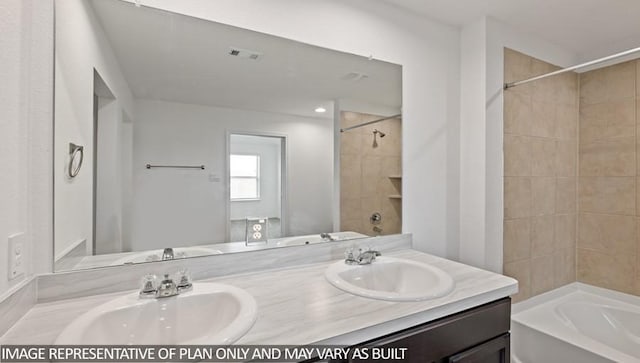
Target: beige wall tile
565,231
637,78
542,236
348,119
613,157
350,209
370,205
392,165
621,81
350,143
391,208
564,266
607,195
543,196
351,225
566,121
608,84
638,196
567,85
565,195
592,86
544,90
517,155
517,239
517,112
350,176
543,152
543,119
517,66
542,274
521,271
607,120
609,234
517,197
540,210
565,158
609,271
371,166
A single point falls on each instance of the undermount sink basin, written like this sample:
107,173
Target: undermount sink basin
211,313
156,255
391,279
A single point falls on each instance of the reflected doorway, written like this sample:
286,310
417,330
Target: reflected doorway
256,183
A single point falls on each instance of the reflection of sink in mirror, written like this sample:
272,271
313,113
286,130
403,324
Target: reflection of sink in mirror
392,279
211,313
315,238
156,255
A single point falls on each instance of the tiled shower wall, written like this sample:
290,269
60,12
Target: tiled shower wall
609,208
370,175
540,176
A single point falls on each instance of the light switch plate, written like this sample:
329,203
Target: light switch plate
256,231
16,256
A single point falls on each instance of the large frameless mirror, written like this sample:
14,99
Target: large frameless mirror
178,137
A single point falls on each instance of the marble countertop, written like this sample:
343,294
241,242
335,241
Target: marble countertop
297,306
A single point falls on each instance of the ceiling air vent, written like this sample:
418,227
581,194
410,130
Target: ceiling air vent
354,76
244,53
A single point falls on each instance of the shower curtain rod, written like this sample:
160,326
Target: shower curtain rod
564,70
369,122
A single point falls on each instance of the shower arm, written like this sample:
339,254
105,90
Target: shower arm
370,122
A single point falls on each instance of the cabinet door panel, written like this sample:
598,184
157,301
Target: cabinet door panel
493,351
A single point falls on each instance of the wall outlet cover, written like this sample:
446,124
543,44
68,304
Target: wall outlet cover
16,258
256,231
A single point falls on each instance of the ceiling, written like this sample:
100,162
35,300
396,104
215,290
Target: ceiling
576,25
171,57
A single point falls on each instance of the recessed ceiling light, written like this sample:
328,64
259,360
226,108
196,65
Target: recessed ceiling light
321,110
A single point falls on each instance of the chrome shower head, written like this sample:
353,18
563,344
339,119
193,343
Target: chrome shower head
382,134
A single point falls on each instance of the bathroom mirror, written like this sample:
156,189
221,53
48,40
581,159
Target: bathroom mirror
201,138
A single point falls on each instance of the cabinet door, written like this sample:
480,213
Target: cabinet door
493,351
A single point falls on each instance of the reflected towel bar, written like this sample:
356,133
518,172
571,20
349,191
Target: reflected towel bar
149,166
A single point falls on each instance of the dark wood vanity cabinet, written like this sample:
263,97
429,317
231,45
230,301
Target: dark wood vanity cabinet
479,335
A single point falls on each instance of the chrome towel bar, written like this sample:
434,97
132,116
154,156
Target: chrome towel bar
201,167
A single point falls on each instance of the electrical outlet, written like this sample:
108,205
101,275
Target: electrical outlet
256,231
16,256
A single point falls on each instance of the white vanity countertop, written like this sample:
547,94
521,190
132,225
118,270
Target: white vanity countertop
297,306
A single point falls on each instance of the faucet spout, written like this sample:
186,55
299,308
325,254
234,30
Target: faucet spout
363,258
167,254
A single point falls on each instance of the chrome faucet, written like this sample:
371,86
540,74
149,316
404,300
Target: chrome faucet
167,286
167,254
363,258
327,237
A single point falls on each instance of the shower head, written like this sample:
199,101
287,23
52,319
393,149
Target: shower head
382,134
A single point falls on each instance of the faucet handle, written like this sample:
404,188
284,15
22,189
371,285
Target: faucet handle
184,281
149,287
348,253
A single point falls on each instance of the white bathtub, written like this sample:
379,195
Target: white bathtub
576,323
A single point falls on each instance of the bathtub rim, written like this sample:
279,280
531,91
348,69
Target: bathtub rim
563,333
567,289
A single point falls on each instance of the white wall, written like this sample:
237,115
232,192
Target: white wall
109,192
174,207
81,46
26,85
429,54
482,130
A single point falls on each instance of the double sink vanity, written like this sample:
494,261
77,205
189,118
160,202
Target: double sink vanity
385,294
